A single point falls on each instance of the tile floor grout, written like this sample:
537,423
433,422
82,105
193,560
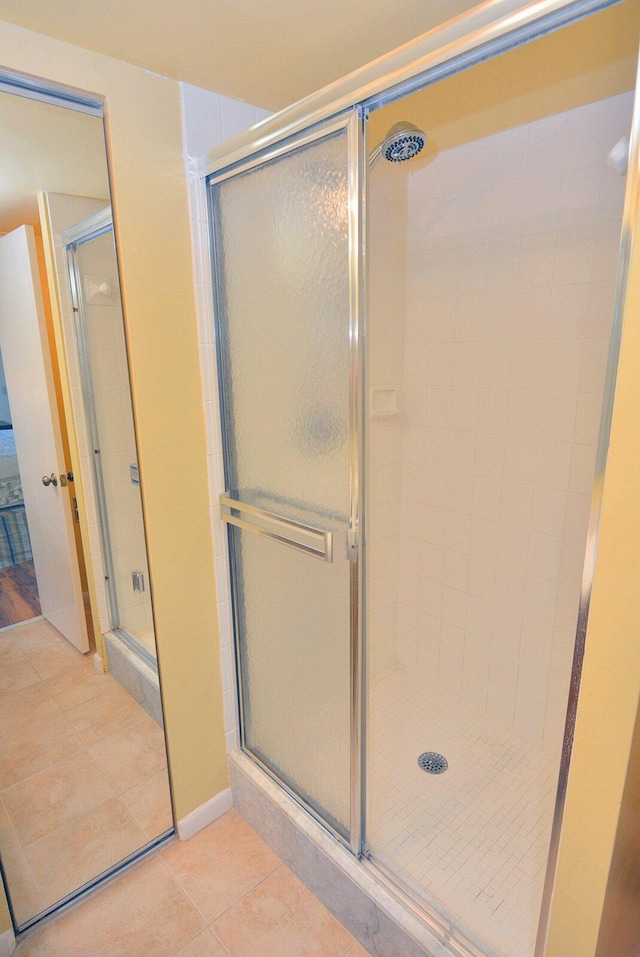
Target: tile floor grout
43,771
26,857
207,926
191,901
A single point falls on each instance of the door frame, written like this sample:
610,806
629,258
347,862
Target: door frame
61,594
352,122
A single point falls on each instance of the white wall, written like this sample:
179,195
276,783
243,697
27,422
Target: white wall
513,245
209,119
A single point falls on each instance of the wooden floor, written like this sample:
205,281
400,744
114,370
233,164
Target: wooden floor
18,594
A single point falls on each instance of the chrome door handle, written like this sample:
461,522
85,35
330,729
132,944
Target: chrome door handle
320,543
50,479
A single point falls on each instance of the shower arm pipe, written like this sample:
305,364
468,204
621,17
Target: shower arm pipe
496,25
374,157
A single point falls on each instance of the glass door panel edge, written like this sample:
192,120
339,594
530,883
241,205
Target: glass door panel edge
283,238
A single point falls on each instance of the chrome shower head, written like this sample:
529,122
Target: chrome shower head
402,142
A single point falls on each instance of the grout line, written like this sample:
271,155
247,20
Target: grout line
104,694
238,901
83,751
132,813
217,939
59,935
9,691
142,720
49,766
79,817
55,764
16,645
99,694
55,642
43,687
26,861
87,814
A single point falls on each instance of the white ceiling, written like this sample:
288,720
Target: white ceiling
267,52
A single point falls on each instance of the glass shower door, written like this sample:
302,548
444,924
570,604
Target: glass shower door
284,236
102,351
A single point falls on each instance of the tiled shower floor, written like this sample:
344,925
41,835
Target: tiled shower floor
473,841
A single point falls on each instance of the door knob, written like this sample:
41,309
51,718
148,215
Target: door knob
50,479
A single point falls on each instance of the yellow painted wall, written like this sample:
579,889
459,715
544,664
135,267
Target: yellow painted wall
151,217
610,687
593,59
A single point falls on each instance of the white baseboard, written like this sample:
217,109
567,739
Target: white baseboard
203,815
7,943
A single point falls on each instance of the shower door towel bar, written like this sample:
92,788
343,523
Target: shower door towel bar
329,546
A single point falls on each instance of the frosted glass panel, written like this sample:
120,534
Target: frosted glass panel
283,236
282,278
294,613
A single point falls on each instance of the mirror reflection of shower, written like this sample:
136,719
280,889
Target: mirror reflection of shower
110,438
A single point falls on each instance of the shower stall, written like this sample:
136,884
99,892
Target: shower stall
417,346
107,445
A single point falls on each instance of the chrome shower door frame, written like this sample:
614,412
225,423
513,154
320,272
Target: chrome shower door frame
352,122
483,33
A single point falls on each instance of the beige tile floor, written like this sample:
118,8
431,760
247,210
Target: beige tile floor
224,893
83,780
82,783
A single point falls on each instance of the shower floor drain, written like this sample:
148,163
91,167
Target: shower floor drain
432,762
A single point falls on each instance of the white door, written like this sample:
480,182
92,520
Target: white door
24,346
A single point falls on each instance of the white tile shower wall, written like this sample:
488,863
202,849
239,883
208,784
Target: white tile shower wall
513,246
387,252
207,120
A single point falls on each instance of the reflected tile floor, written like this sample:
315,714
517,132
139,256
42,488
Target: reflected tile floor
472,841
223,893
83,779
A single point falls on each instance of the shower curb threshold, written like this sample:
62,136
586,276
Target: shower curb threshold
345,885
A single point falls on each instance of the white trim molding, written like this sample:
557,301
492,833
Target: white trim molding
210,811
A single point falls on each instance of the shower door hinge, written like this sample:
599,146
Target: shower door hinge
352,544
137,580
